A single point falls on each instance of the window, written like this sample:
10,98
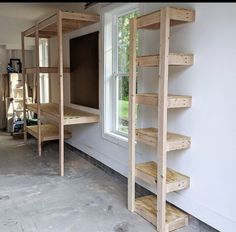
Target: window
44,78
116,66
121,71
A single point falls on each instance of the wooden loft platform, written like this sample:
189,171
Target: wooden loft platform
71,115
55,26
45,70
48,132
147,208
177,16
70,21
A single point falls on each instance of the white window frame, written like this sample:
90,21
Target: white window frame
44,77
109,17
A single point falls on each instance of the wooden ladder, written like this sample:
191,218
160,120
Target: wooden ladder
164,180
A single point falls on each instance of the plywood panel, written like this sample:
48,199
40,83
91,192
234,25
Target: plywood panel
71,115
48,132
84,70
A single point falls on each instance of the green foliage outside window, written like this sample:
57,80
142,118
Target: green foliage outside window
123,67
123,52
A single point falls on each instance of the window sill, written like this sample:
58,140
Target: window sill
116,139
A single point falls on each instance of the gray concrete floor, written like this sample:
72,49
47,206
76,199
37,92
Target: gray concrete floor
33,198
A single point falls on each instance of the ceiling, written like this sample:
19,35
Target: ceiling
35,11
17,17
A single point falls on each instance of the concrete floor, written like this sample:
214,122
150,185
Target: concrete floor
33,198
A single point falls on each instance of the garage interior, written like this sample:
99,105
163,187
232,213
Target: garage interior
111,117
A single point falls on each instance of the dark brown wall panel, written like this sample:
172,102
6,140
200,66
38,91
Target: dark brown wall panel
84,81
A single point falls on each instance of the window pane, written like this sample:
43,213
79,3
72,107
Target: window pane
122,104
44,78
44,88
123,41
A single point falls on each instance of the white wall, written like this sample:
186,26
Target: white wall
3,59
210,122
7,54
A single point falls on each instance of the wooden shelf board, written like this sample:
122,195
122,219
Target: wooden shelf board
146,207
48,132
45,70
70,21
175,59
71,115
177,16
174,101
174,141
174,180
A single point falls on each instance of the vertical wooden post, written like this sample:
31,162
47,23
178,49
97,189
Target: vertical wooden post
38,89
24,82
34,89
162,119
132,93
61,98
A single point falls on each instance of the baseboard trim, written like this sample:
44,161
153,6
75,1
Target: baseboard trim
198,211
140,191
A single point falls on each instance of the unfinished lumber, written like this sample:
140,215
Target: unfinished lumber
150,136
159,177
45,70
70,21
176,15
24,82
174,180
48,132
147,208
56,25
61,93
38,89
162,141
132,90
71,115
174,59
174,101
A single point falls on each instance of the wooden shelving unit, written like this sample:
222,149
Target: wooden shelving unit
54,26
45,70
156,174
71,116
48,132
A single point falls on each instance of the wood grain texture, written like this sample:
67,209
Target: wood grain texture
174,218
61,93
24,82
174,180
71,115
38,88
161,148
70,21
174,59
174,141
48,132
132,91
177,16
165,180
45,70
174,101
